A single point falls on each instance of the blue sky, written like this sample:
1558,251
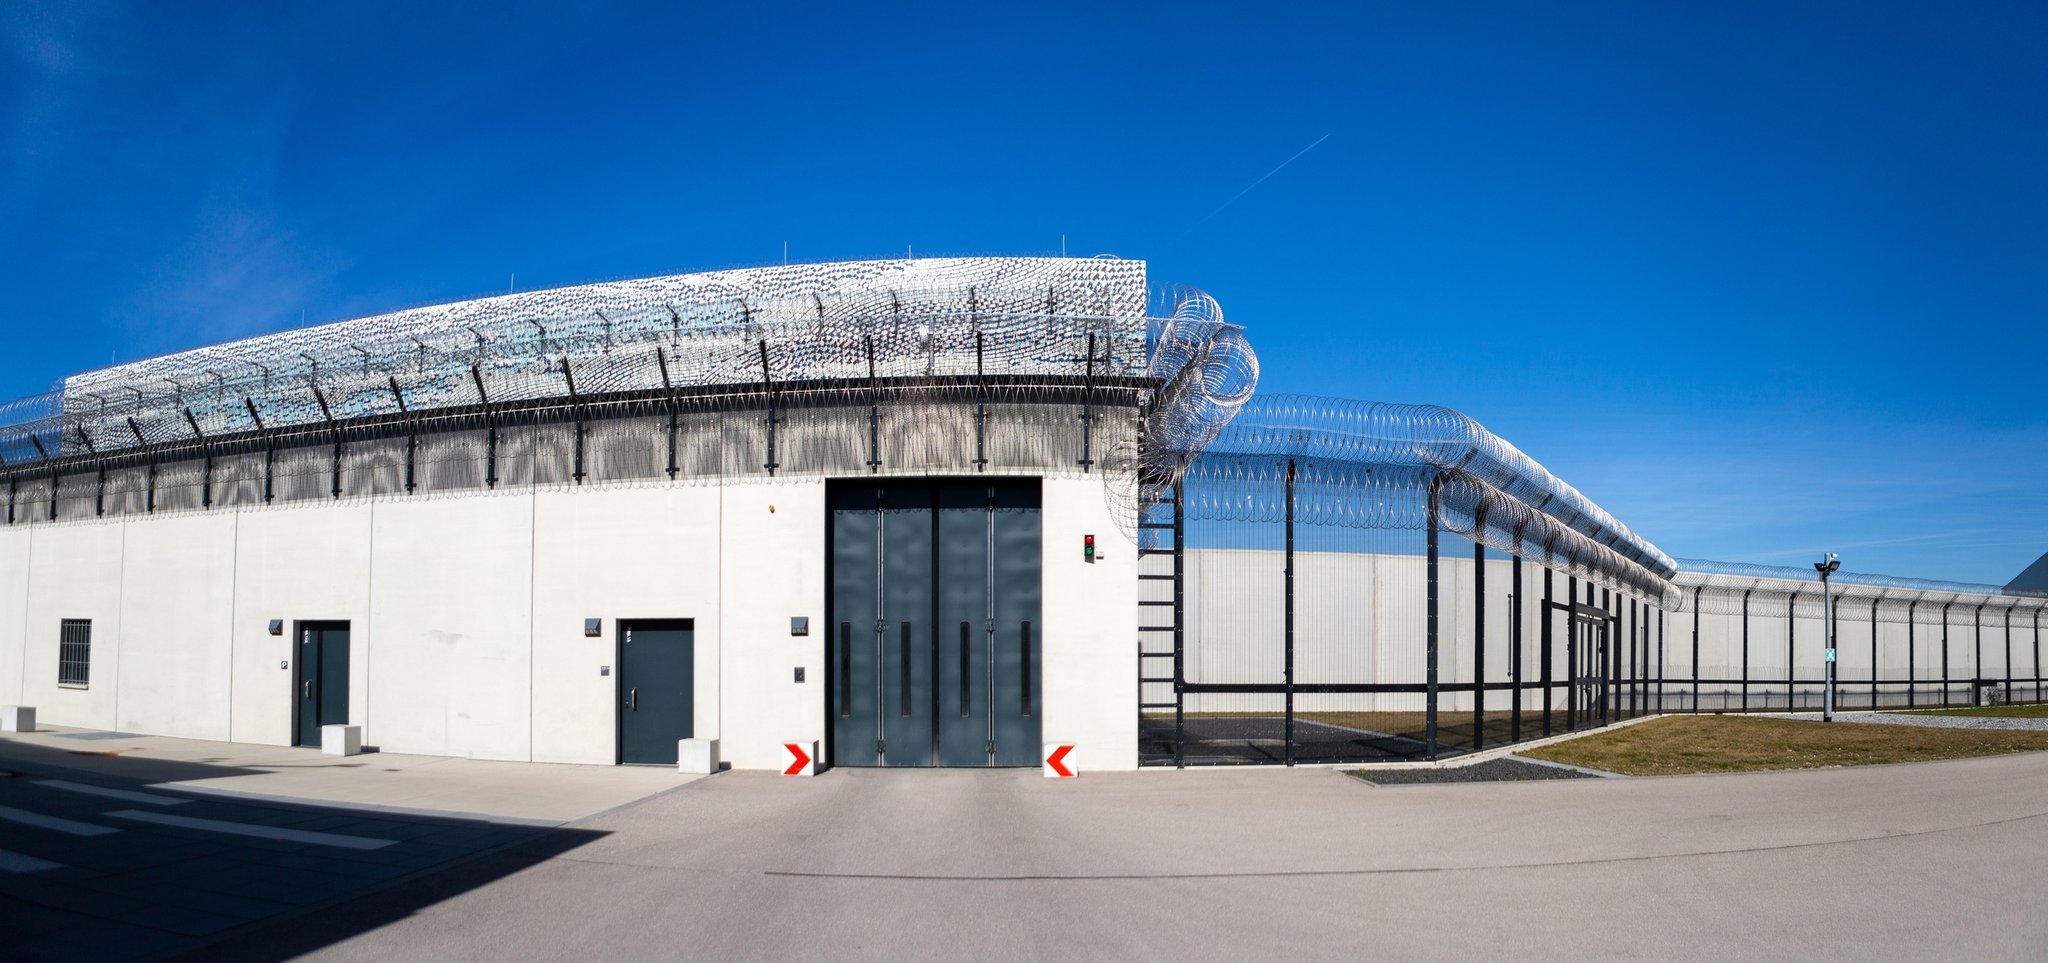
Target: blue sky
1763,279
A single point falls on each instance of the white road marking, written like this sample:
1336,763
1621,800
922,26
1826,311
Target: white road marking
17,863
40,821
126,795
279,833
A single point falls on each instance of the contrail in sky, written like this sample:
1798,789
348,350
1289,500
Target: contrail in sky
1262,180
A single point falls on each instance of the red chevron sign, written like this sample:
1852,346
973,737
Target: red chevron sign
1055,760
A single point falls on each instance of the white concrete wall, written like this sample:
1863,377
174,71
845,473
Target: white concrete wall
617,554
1359,618
177,606
14,569
300,563
451,627
774,568
466,617
75,573
1091,627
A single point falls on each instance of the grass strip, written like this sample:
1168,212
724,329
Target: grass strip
1707,743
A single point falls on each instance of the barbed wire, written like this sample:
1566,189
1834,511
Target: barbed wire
866,320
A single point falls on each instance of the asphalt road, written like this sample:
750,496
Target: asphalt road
1934,860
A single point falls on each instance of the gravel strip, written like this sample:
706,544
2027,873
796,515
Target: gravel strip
1492,770
1917,719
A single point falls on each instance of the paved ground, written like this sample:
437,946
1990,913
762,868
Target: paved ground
120,847
539,791
1930,860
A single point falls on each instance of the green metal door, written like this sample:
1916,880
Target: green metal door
322,692
657,670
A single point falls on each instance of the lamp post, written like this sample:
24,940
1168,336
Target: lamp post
1827,567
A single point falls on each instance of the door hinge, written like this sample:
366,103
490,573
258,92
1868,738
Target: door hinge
991,747
881,747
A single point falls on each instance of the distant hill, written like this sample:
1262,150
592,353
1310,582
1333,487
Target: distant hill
2034,579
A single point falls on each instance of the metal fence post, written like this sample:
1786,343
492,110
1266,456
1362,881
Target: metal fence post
1574,695
1745,649
1792,652
1289,615
1515,651
1543,635
2008,653
1947,683
1696,593
1478,636
1912,610
1429,711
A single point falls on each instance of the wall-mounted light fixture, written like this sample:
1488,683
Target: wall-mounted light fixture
799,625
276,626
592,628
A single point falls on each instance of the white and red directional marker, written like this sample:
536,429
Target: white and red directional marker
800,758
1060,761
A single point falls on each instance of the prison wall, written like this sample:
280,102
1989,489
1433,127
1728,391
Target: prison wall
467,612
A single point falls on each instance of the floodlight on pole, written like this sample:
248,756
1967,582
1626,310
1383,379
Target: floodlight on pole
1826,567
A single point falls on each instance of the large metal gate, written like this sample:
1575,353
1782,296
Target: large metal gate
934,623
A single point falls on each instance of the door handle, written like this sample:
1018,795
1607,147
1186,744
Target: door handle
309,689
633,698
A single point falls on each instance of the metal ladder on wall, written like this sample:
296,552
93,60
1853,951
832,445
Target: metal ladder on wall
1161,576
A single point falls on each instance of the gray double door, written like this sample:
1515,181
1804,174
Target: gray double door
933,644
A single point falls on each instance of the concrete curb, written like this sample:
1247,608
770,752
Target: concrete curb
1466,759
1602,773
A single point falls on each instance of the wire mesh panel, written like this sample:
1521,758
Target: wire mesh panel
78,495
1359,581
180,485
451,461
374,466
626,450
238,480
127,491
303,475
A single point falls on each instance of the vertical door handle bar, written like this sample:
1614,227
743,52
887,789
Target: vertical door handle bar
1024,673
966,673
845,670
903,695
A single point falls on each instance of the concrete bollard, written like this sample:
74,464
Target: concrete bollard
341,740
697,756
17,718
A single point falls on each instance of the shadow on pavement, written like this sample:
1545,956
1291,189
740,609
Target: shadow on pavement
99,863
